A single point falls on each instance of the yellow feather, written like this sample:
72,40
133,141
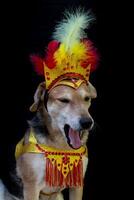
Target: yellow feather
73,56
79,51
60,55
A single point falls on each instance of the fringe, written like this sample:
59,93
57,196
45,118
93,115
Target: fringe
54,177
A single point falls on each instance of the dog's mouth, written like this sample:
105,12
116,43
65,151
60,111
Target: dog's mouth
73,137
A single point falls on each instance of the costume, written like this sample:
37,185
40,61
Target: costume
69,60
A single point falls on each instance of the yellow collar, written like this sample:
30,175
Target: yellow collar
34,147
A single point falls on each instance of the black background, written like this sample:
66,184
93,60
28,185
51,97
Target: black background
26,29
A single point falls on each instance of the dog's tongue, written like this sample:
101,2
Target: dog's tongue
74,138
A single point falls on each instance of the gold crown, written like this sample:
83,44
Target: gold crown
52,76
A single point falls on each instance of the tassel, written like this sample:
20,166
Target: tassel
61,177
80,178
71,178
52,175
55,175
74,175
55,178
77,175
61,180
58,178
68,180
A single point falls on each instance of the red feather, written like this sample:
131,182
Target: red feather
49,58
38,64
92,55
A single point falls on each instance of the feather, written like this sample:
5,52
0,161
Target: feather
60,55
72,28
38,64
79,51
92,55
49,58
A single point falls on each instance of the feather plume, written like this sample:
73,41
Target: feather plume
49,58
72,28
38,64
92,55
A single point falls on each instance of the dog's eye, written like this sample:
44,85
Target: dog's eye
64,100
87,99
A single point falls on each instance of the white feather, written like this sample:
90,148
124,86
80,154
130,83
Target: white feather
72,28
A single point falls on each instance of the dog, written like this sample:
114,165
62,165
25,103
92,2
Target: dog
56,114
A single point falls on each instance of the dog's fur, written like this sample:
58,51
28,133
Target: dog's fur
65,105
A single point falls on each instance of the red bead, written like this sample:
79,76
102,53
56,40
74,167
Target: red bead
48,78
47,73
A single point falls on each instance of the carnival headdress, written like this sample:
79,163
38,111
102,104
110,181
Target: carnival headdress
70,55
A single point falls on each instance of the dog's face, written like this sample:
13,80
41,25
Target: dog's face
69,111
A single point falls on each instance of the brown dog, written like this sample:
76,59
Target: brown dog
65,108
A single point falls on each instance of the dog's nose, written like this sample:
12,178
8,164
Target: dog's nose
86,123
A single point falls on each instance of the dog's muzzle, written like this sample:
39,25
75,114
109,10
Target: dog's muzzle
74,136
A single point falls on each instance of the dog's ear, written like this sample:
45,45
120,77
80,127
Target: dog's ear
38,97
92,90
